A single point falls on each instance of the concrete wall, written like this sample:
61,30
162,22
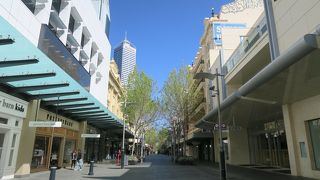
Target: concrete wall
293,20
239,147
27,138
296,116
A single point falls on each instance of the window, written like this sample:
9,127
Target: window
13,144
2,135
314,127
56,5
107,28
71,24
3,120
31,4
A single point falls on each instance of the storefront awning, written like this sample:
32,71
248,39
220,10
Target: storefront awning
26,71
291,77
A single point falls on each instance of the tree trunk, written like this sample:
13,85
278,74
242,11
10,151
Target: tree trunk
133,144
184,139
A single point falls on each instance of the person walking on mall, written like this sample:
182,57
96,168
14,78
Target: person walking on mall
79,163
73,158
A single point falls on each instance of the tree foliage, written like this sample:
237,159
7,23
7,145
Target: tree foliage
178,101
140,108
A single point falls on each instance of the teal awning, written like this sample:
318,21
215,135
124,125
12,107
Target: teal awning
26,70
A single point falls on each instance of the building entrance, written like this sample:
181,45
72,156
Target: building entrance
55,151
270,149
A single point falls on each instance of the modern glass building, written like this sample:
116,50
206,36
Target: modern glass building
125,57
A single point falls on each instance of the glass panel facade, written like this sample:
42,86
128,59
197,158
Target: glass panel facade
51,45
40,151
314,127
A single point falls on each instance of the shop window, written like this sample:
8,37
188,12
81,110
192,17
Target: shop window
314,127
13,143
39,158
2,135
3,120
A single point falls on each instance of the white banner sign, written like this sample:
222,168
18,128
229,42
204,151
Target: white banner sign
45,124
90,135
13,106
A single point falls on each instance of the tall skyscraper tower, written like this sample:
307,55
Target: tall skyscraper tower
125,57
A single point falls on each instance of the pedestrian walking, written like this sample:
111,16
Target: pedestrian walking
73,158
79,162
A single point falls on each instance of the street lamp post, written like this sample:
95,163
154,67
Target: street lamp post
124,134
211,76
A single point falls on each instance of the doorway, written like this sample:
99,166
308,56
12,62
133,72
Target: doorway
55,151
271,149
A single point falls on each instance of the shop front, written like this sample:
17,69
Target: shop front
268,144
12,113
53,146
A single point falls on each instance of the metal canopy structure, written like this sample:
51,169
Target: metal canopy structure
26,70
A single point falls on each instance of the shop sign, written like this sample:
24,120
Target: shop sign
90,135
13,106
217,36
45,124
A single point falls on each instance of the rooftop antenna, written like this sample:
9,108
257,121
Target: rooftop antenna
125,36
212,12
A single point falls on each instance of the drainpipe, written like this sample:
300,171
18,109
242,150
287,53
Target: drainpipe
272,32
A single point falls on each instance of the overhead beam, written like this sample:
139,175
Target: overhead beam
50,102
80,109
49,95
11,78
40,87
73,105
6,41
87,116
88,112
94,118
18,62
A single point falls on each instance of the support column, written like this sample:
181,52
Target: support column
291,136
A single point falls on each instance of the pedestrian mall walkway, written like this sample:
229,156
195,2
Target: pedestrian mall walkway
159,167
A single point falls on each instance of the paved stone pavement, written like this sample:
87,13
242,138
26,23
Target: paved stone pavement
159,167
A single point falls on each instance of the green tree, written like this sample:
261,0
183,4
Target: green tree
163,135
178,102
152,138
141,109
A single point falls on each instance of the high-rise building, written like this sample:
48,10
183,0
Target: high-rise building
55,55
125,57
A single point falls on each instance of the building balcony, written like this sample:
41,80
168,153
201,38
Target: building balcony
199,111
247,44
51,45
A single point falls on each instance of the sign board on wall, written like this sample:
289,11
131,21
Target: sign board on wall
90,135
12,105
217,30
45,124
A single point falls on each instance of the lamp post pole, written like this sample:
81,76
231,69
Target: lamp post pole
123,137
222,153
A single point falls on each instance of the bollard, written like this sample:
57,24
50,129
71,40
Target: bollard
52,173
91,168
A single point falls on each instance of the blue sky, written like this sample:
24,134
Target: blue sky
165,32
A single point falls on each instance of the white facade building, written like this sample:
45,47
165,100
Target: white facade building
125,57
76,29
74,37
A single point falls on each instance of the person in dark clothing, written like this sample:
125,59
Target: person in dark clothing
73,158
